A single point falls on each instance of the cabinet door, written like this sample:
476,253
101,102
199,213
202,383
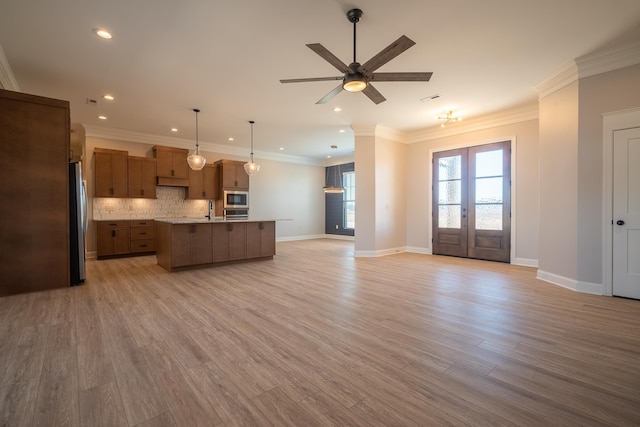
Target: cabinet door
113,241
196,185
105,242
242,179
149,178
172,162
210,182
111,174
201,244
142,177
261,237
180,245
220,242
229,175
180,166
237,240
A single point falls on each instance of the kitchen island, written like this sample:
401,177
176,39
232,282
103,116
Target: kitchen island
183,243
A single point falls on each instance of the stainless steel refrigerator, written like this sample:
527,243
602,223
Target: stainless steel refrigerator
77,223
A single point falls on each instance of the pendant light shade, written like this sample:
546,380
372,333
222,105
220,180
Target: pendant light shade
196,160
337,187
251,168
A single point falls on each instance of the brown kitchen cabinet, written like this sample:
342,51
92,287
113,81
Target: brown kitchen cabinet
110,173
141,172
261,239
143,236
231,175
34,213
203,184
182,245
229,241
113,238
172,166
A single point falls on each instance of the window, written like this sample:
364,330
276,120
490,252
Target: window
349,200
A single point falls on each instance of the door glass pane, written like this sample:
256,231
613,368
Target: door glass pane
449,192
450,168
489,217
449,216
489,163
489,190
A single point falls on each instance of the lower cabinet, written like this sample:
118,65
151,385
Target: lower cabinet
126,237
229,241
114,238
191,244
261,239
197,244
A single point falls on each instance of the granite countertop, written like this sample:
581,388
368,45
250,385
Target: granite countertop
216,219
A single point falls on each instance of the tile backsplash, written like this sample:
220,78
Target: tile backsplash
170,202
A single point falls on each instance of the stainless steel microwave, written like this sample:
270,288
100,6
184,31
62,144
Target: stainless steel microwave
236,199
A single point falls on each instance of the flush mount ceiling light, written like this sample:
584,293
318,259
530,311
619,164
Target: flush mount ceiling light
195,160
103,34
251,168
448,117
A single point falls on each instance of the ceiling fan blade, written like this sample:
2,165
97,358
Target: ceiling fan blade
387,54
373,94
311,79
329,57
401,77
330,95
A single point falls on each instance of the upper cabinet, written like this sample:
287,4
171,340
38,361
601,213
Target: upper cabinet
141,172
173,169
232,175
111,173
203,184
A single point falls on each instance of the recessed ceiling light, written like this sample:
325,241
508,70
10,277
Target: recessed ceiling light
281,148
103,34
341,131
108,97
337,109
231,138
102,117
328,157
174,129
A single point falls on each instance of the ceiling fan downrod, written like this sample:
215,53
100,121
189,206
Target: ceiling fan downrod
354,16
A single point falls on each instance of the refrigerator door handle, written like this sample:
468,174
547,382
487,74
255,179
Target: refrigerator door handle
85,209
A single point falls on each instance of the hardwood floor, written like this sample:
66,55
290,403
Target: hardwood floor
316,337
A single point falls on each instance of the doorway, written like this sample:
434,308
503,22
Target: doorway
471,214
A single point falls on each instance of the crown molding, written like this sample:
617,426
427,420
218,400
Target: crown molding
519,114
7,79
589,65
145,138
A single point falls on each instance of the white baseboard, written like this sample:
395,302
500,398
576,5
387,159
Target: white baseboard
379,253
574,285
307,237
417,250
526,262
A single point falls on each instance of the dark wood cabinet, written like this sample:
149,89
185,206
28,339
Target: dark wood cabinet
110,173
113,238
231,175
34,212
172,166
229,241
141,172
203,184
261,239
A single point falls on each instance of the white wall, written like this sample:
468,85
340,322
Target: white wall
365,158
525,189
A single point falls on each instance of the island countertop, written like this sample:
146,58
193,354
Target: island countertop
215,219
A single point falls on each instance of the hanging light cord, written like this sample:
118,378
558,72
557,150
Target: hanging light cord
197,145
252,122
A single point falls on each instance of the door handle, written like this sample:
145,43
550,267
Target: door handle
620,222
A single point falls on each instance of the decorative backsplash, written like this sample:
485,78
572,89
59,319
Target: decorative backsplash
170,202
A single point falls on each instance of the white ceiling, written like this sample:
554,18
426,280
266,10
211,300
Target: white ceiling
227,57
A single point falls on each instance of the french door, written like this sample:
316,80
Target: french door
472,202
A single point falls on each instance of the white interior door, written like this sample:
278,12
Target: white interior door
626,213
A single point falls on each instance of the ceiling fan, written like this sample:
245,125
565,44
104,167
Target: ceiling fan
357,77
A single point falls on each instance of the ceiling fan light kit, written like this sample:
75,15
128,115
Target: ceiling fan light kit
358,77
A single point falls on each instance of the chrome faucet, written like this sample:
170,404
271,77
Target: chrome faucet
210,208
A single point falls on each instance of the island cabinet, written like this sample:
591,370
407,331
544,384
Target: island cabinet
141,173
261,239
203,184
229,241
110,173
232,175
172,167
114,238
183,245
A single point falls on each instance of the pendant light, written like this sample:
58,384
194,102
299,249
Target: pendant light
196,160
251,168
337,187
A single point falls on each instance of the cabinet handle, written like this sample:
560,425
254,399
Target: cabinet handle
113,224
142,234
143,246
142,191
172,172
111,191
113,233
229,227
261,226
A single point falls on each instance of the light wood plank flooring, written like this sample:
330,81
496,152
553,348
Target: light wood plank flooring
315,337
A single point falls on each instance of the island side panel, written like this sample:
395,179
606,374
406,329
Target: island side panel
163,245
